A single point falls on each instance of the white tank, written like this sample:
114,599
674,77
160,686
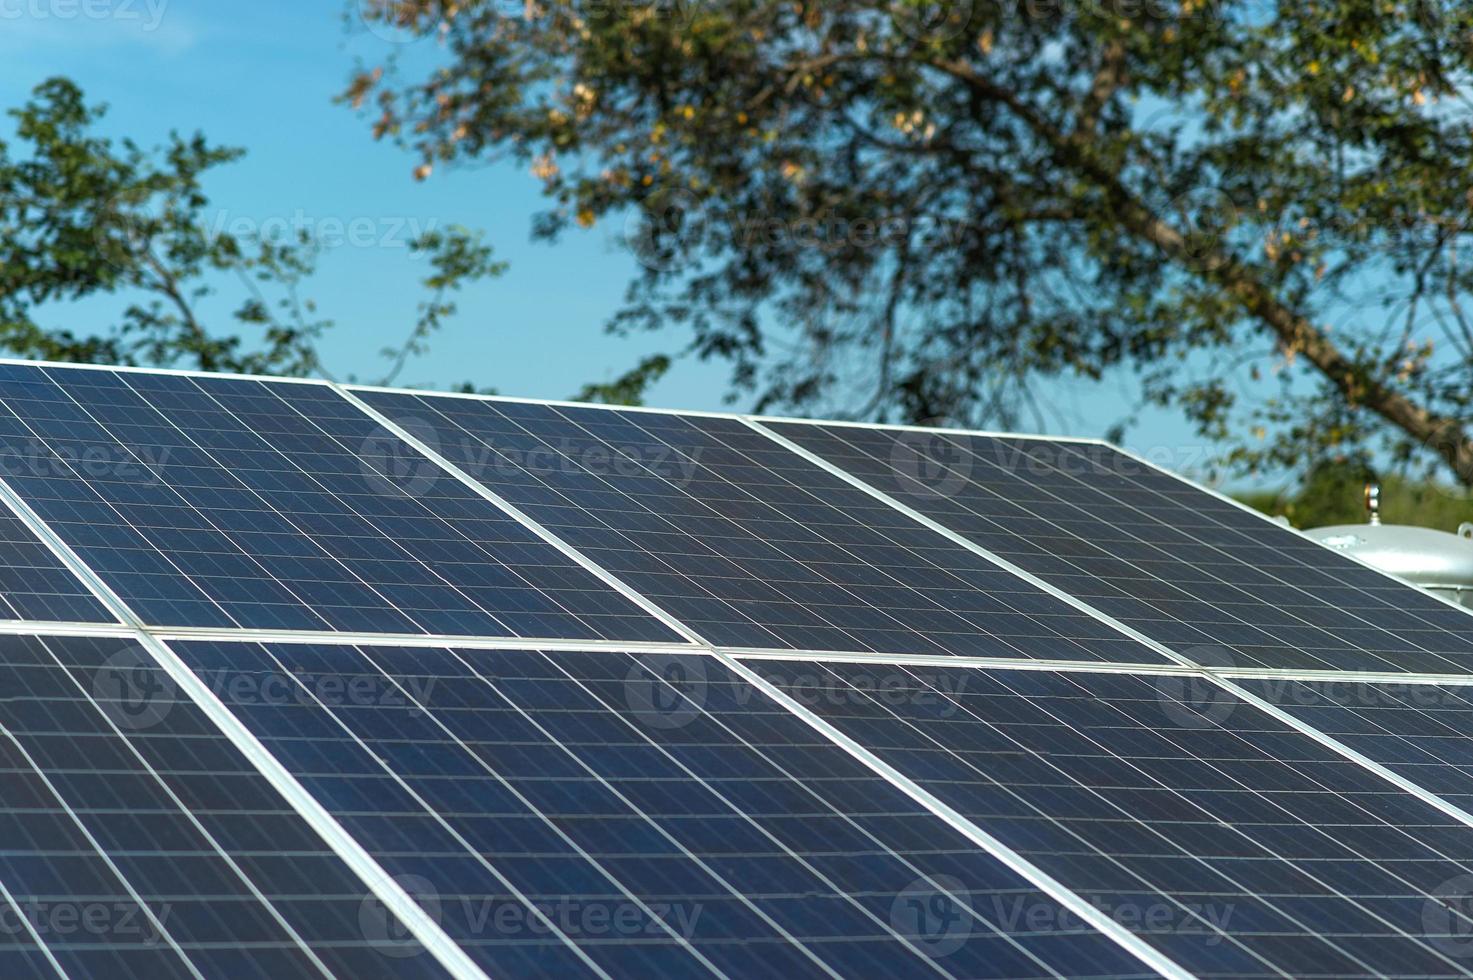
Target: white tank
1435,560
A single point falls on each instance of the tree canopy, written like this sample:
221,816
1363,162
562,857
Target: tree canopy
1332,492
907,210
85,218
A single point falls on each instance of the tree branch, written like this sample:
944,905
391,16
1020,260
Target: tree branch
1107,81
1443,435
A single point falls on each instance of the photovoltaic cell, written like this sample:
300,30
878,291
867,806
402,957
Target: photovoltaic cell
1423,732
1232,843
745,542
1187,569
239,503
560,812
137,842
34,585
644,815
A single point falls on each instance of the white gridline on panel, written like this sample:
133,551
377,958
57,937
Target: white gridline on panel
174,798
1068,899
154,921
641,814
700,646
476,486
266,575
258,755
346,505
976,834
943,747
347,389
1126,502
899,858
374,878
59,630
1339,747
924,602
1008,858
537,913
688,630
926,430
1264,517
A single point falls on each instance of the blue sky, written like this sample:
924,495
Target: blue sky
262,75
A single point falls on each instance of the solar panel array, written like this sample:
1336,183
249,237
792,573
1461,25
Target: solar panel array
310,680
1185,568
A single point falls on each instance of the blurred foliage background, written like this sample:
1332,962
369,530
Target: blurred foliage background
1334,493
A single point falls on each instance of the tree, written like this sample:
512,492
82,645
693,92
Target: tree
1334,493
83,218
906,210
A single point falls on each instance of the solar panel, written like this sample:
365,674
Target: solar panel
745,542
240,503
1423,732
136,842
34,585
698,825
1184,567
1226,825
474,687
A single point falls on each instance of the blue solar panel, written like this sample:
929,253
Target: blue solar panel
692,824
745,542
137,842
1184,567
1423,732
34,585
624,813
1254,850
238,503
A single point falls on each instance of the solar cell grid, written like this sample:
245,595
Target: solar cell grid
744,541
620,813
658,792
1184,567
238,503
1423,732
1213,820
34,585
138,843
